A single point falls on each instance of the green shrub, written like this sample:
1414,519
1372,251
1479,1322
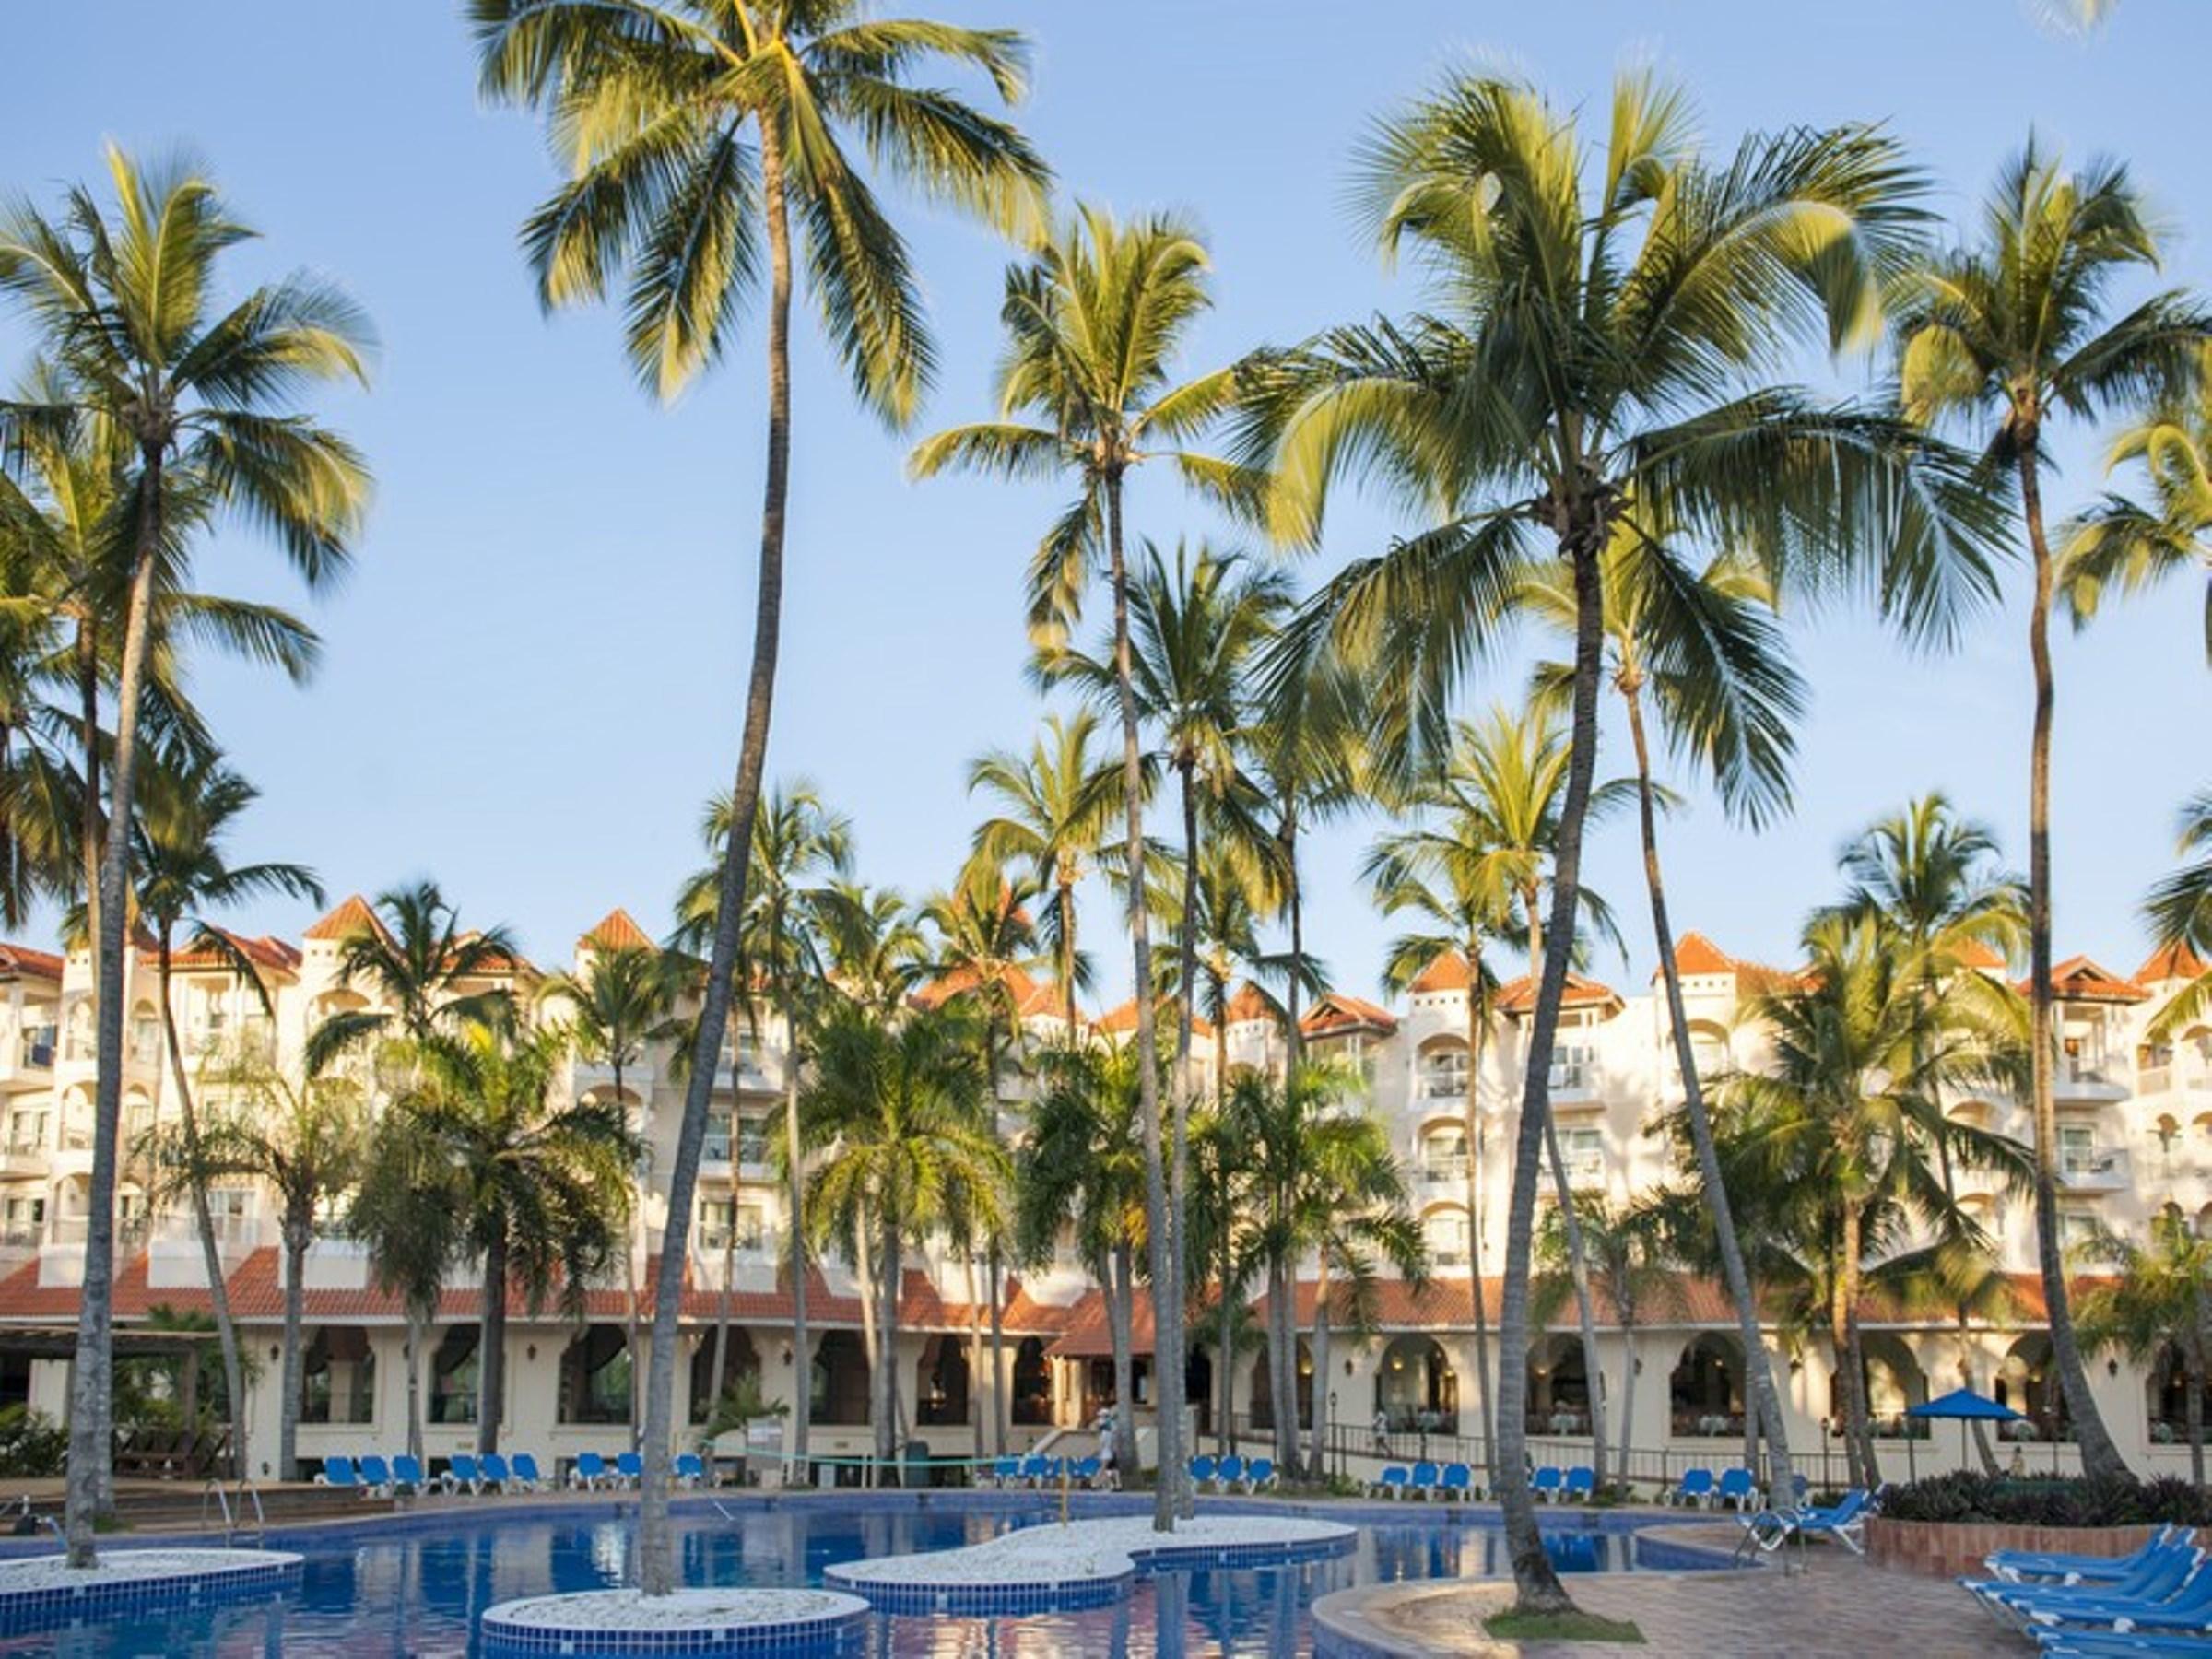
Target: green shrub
2119,1501
32,1444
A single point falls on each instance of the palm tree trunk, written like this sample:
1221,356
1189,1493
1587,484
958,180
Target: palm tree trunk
298,1233
724,1306
1294,1037
1578,1269
492,1346
87,714
1317,1465
1628,1393
1224,1431
1067,955
1474,1174
2099,1457
1121,1302
1865,1401
1763,1402
1282,1360
995,1268
656,1541
871,1341
91,1384
1537,1584
1178,1169
887,1313
2192,1409
417,1328
203,1214
629,1263
1161,1243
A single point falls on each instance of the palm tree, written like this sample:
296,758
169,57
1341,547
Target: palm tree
1055,809
1221,1236
1926,873
1703,646
694,130
1230,892
2132,545
623,1000
1631,1258
1094,321
408,1210
878,951
901,1114
1596,350
183,819
414,958
1081,1171
545,1189
304,1139
121,304
798,845
2158,1302
2179,913
2007,334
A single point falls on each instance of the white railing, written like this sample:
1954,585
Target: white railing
1444,1086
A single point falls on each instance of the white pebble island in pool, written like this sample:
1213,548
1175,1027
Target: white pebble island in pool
120,1568
1086,1551
613,1612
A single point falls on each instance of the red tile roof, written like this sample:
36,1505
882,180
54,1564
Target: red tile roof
2078,978
353,915
1246,1004
1446,972
1123,1018
1338,1013
1519,996
2175,961
617,930
1974,954
1694,953
1021,987
266,952
21,959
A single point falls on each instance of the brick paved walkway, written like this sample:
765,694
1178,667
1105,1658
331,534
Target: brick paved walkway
1838,1607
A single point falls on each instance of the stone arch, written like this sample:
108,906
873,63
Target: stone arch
738,1360
1559,1385
839,1380
1446,1230
1705,1389
2166,1397
1415,1387
337,1376
1033,1401
941,1382
1894,1383
1440,1063
2027,1381
595,1377
1263,1389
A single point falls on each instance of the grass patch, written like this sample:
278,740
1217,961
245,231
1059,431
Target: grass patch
1561,1627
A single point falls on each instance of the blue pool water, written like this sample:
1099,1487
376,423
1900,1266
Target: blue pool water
415,1586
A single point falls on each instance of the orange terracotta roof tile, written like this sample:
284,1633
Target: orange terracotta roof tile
1974,954
353,915
1447,973
21,959
2175,961
2078,978
1121,1018
266,952
1021,987
1519,996
1338,1013
617,930
1246,1004
1694,953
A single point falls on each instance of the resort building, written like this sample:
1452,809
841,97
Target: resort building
2136,1138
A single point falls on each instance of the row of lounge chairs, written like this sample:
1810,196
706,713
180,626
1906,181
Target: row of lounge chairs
375,1476
1229,1473
2157,1600
1426,1479
1698,1489
1037,1471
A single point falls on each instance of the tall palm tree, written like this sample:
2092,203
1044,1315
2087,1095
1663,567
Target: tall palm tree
183,875
122,303
303,1138
2007,334
1055,809
1094,321
2179,913
544,1188
1701,649
799,845
1631,1258
408,1211
2131,545
1929,875
624,999
416,961
2158,1302
900,1115
877,950
1596,347
1080,1171
693,132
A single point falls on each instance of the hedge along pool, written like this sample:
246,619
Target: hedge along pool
417,1583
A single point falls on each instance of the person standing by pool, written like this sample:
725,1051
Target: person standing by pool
1110,1478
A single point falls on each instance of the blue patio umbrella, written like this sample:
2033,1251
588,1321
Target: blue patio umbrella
1966,1405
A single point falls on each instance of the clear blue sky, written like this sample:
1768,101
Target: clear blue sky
534,679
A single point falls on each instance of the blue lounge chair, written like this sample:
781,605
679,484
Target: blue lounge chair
376,1473
630,1468
1696,1489
526,1475
2112,1644
2185,1610
1768,1530
339,1472
1005,1471
1394,1481
1032,1470
1738,1488
1423,1481
2158,1579
1084,1471
689,1470
492,1466
460,1471
1456,1481
1260,1474
1582,1482
591,1471
2017,1566
1544,1484
407,1471
1202,1471
1229,1472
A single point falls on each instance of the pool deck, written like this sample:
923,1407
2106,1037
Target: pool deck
1838,1607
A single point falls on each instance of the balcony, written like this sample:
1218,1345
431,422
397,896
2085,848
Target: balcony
1443,1168
2190,1077
1444,1085
28,1058
24,1155
1574,1083
2088,1076
2095,1169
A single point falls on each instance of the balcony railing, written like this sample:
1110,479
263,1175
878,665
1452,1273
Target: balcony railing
1570,1075
1444,1086
34,1049
1438,1168
2100,1168
1584,1169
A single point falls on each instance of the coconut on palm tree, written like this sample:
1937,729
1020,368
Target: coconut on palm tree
1095,321
1597,346
122,300
2011,335
710,149
182,875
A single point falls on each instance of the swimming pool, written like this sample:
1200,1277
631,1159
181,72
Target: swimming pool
416,1585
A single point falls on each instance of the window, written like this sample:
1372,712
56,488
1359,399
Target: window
1444,1155
715,1148
2076,1228
22,1220
1445,1231
2077,1153
26,1131
1444,1074
145,1040
752,1141
726,1224
1583,1152
1570,1065
231,1209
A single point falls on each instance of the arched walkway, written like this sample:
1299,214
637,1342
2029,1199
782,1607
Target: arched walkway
1558,1386
2028,1381
1033,1402
337,1376
941,1382
453,1376
740,1360
1705,1390
1894,1383
1415,1388
1263,1389
2166,1392
595,1377
841,1379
